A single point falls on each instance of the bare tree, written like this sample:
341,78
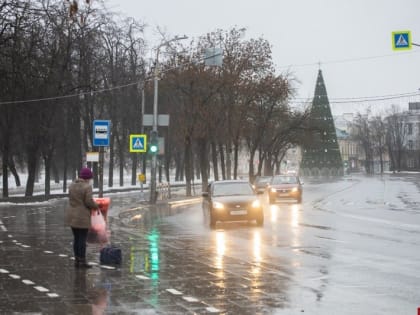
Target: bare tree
395,137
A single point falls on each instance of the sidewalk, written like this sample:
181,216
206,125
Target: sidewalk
37,273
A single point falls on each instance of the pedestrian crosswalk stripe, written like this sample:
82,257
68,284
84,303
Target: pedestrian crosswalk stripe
28,282
41,289
190,299
174,292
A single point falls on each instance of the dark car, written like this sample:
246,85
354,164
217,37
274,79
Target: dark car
232,200
285,187
261,183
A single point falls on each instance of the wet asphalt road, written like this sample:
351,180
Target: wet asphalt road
351,247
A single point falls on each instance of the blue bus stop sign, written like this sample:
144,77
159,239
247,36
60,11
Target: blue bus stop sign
101,132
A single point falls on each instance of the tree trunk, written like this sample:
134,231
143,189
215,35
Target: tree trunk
32,164
214,159
222,161
235,160
188,165
228,161
203,162
122,160
111,161
47,165
251,174
5,160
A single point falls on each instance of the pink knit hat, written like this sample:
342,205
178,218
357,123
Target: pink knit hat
85,173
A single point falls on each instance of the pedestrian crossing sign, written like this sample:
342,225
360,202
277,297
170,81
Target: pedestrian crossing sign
401,40
138,143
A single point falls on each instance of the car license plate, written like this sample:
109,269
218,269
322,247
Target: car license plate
238,212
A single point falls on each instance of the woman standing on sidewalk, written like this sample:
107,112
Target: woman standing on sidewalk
78,214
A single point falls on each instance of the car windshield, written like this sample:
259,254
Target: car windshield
228,189
262,180
284,180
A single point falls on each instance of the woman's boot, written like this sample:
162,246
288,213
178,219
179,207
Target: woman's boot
81,263
76,262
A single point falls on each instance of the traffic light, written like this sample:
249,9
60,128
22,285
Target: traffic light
154,143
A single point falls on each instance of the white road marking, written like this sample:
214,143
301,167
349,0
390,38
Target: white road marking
3,228
9,236
63,255
52,295
4,271
41,289
190,299
14,276
48,252
174,292
212,309
28,282
107,267
142,277
26,246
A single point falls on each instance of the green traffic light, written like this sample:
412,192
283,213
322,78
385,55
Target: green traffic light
153,148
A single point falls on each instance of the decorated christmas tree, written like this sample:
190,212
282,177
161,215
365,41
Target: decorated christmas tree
320,152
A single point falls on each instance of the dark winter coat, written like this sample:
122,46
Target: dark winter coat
80,204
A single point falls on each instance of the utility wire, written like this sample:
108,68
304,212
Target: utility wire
296,100
361,99
348,60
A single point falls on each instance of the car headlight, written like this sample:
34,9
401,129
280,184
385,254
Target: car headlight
273,190
294,189
256,204
218,205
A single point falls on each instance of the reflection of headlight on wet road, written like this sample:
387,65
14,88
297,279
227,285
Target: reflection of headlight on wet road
295,216
273,213
257,246
136,217
220,248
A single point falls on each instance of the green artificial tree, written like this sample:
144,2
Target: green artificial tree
320,152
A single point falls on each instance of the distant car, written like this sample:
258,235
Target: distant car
261,183
292,172
285,187
232,200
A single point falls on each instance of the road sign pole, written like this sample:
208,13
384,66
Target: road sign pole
152,196
101,172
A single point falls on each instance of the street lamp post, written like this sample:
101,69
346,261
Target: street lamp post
153,193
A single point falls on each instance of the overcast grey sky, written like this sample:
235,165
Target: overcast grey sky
350,38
